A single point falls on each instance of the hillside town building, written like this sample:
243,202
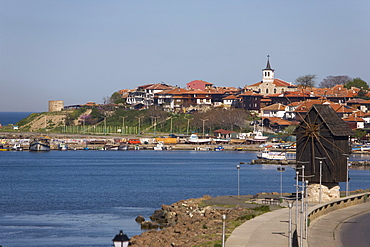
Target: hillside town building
277,102
270,84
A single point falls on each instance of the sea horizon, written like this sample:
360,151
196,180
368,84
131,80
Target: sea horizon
12,117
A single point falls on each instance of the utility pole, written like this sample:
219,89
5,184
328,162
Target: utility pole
139,124
123,125
203,120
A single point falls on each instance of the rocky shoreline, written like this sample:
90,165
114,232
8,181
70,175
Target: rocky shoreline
196,222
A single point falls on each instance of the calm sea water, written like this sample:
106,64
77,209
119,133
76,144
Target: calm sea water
83,198
12,117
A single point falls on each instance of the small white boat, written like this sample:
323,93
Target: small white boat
123,148
17,147
62,146
256,135
202,149
195,139
112,148
267,154
160,146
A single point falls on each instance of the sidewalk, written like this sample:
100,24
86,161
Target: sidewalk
272,228
269,229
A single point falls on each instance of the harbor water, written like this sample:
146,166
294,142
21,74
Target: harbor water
83,198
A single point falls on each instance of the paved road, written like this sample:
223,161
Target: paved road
326,231
355,231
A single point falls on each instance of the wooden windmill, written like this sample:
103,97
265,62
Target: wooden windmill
323,136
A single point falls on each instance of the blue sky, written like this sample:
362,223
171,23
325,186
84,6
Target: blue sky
85,50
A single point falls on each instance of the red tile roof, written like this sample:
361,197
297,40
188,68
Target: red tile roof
274,107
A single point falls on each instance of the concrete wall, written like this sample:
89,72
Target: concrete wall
328,207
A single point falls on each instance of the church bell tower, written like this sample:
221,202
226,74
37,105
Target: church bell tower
268,73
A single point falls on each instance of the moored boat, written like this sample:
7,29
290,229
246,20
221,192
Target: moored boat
219,148
62,146
17,147
160,146
195,139
41,143
267,154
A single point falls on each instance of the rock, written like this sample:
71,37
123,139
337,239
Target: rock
140,219
185,224
149,225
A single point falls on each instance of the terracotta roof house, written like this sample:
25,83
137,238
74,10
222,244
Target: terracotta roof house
275,110
230,101
251,101
225,134
198,84
174,99
290,97
269,84
360,104
338,93
201,97
276,124
355,121
301,110
145,94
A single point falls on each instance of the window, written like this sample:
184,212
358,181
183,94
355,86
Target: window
274,90
267,90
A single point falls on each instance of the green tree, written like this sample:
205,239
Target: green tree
359,134
117,98
357,82
306,81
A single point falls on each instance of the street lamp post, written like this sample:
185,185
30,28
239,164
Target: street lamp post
302,205
347,171
290,205
238,168
120,240
320,178
281,170
223,229
306,214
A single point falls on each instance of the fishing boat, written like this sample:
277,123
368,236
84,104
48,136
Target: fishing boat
195,139
269,155
2,148
41,143
361,148
219,148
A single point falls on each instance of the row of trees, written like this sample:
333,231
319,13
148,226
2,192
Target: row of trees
156,119
307,81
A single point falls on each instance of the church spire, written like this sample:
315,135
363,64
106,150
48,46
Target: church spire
268,67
